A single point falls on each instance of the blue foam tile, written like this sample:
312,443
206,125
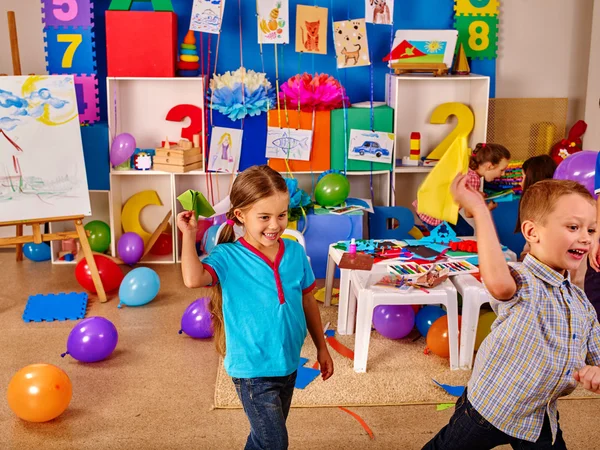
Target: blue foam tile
305,376
52,307
95,152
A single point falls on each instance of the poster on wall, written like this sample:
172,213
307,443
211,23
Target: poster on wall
289,143
373,146
207,16
273,21
379,11
351,46
311,29
42,170
225,149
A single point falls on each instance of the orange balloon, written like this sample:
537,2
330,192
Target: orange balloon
39,392
437,337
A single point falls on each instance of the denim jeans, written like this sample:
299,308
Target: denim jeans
468,430
266,402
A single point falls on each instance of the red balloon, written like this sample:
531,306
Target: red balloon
163,245
416,308
110,274
437,336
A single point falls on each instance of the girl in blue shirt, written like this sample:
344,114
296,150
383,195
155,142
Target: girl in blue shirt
264,304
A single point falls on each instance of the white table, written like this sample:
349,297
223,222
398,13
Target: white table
345,324
370,297
334,257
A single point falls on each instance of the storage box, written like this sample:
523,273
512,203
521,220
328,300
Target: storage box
141,43
320,155
358,119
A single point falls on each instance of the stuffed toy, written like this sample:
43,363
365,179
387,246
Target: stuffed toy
572,144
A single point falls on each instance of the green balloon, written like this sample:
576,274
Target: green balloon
332,190
99,237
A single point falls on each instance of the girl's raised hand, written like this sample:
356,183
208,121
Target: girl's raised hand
186,222
466,196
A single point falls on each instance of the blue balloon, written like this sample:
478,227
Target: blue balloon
37,252
210,238
139,287
426,316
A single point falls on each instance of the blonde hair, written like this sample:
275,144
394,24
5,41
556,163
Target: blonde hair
223,137
492,153
539,200
252,185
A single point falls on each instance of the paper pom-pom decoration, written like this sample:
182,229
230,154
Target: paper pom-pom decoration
320,92
241,93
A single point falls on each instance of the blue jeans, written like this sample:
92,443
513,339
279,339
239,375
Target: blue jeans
266,402
468,430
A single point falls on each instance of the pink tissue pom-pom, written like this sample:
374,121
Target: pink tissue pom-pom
321,93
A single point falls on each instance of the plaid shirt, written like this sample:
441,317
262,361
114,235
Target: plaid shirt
548,330
473,180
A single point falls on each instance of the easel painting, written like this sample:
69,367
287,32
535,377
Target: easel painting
42,170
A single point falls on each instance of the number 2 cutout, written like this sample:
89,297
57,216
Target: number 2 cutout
466,122
180,112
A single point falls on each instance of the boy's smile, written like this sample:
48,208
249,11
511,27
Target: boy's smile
565,237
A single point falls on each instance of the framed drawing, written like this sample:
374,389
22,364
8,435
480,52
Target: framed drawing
423,47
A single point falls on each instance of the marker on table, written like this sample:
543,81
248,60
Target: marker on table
352,247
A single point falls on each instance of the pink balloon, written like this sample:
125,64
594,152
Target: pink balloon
122,148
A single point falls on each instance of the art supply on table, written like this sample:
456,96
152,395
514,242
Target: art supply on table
356,261
413,271
352,247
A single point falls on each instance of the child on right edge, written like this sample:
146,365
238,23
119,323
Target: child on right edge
488,161
546,338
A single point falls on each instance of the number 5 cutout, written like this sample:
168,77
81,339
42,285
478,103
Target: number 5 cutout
466,122
180,112
67,13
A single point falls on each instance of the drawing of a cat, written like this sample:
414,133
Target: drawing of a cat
311,43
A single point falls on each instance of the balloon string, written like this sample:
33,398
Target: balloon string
62,355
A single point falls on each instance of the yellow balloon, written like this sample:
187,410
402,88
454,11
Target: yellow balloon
130,215
484,327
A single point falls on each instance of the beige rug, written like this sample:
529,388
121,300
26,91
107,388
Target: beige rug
398,373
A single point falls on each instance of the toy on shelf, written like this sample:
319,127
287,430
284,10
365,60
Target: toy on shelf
142,159
415,150
461,64
572,144
188,65
183,157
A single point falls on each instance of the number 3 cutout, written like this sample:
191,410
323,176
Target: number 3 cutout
180,112
466,122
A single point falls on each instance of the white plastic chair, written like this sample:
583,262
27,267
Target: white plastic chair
369,298
473,296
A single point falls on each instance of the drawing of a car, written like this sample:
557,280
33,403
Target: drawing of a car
371,147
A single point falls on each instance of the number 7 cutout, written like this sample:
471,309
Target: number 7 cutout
466,122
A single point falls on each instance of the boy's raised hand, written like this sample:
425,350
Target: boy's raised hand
589,377
466,196
186,222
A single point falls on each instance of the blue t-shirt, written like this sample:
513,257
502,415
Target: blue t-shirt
265,325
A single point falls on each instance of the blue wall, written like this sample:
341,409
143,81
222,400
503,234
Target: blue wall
408,14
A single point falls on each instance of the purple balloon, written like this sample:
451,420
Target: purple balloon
92,340
130,247
394,321
196,321
580,167
122,148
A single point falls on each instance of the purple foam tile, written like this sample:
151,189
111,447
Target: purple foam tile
68,13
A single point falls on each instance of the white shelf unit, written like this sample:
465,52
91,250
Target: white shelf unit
139,106
100,201
124,184
413,98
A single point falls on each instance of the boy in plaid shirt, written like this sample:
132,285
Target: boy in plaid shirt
546,338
